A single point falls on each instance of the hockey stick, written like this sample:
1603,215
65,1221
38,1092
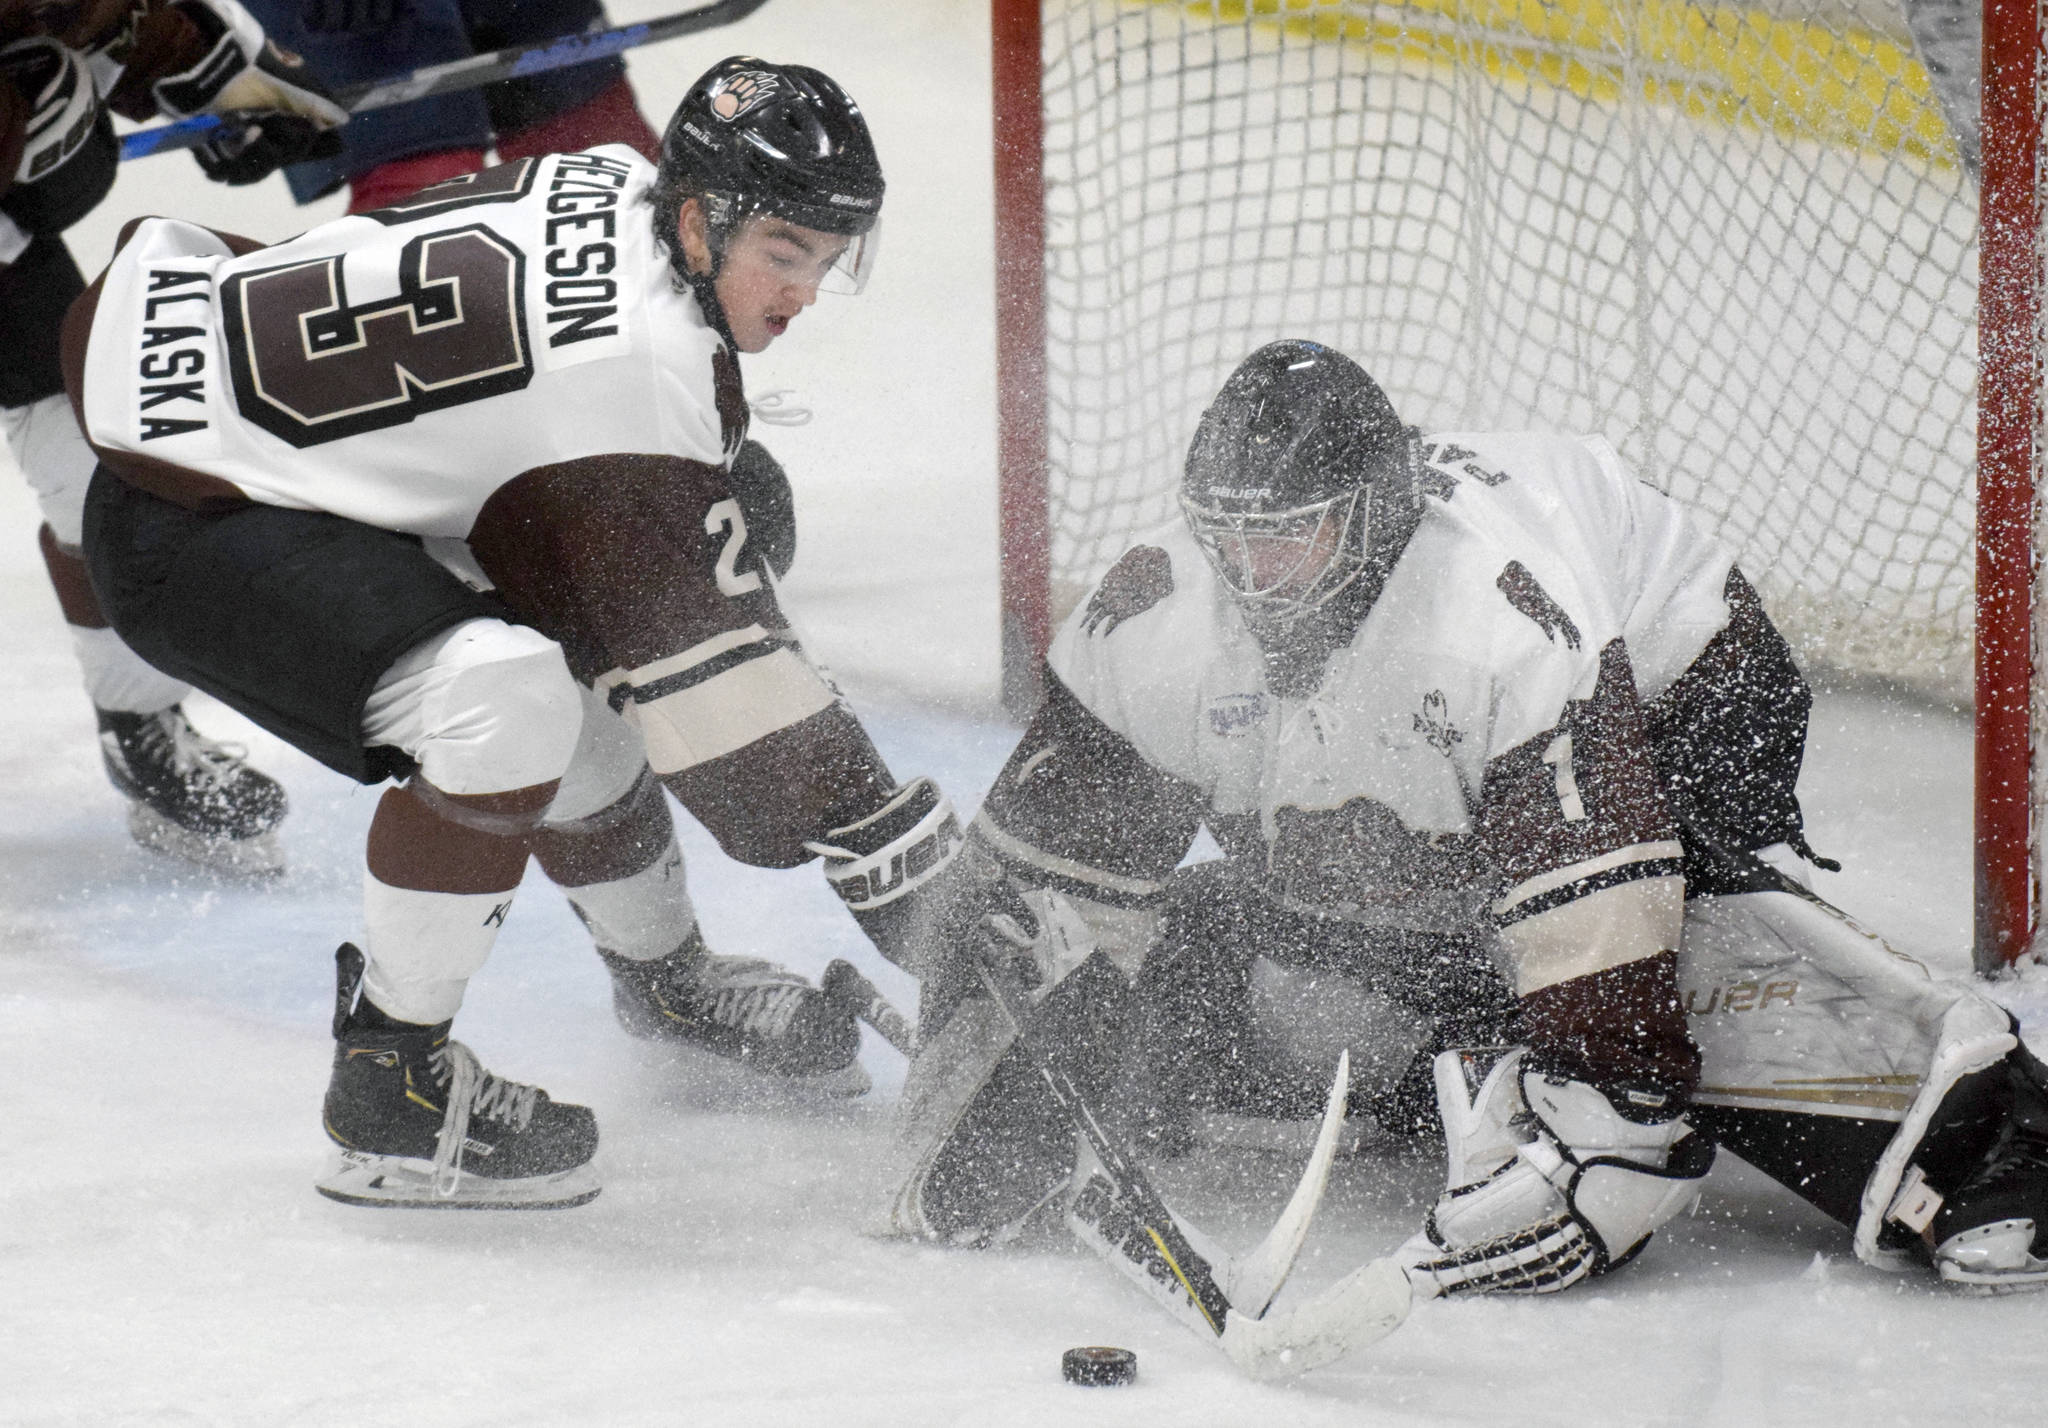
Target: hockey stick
512,62
1122,1218
844,984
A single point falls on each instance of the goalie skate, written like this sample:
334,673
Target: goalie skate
192,797
1991,1237
743,1010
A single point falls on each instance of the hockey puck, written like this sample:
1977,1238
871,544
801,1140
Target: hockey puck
1098,1367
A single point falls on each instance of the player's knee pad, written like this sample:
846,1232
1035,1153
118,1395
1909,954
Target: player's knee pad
486,707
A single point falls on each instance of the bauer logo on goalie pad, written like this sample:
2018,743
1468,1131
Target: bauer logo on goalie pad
1740,997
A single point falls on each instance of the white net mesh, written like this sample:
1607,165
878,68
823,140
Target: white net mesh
1738,243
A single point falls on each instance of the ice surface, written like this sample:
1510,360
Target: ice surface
163,1044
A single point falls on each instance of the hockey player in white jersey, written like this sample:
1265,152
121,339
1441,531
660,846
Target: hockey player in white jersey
441,493
1500,750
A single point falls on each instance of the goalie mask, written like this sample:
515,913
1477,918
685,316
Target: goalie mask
1300,488
754,138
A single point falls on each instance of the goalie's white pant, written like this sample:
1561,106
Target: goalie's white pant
1799,1011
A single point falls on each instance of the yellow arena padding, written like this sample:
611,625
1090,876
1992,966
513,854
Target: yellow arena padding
1842,88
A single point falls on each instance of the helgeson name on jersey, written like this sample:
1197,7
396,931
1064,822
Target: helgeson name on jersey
583,200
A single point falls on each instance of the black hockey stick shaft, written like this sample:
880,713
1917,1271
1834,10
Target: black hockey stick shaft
1133,1191
844,984
512,62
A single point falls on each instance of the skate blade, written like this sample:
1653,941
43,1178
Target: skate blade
258,857
400,1182
1992,1259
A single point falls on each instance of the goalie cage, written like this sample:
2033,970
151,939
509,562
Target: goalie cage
1743,242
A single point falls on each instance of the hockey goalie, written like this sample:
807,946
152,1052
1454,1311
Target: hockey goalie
1499,749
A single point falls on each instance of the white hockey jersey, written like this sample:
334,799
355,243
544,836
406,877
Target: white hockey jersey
399,367
1478,746
502,361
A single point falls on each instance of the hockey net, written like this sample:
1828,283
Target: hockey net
1739,243
1739,240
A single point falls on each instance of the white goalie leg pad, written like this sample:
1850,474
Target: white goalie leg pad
1796,1007
1974,1036
946,1075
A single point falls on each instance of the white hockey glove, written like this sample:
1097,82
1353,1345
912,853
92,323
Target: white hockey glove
274,110
1548,1182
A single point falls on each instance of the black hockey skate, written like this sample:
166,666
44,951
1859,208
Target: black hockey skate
743,1009
420,1123
190,796
1991,1235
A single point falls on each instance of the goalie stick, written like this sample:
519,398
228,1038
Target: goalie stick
512,62
844,984
1119,1216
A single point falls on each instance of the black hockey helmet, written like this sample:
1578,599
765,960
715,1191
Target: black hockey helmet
1301,489
752,137
1301,483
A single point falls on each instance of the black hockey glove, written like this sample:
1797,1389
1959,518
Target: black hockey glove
67,154
881,864
274,110
250,147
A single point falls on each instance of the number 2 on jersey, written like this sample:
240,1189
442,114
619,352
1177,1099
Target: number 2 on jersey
725,515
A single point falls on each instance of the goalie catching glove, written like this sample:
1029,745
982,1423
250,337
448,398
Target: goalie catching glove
1550,1179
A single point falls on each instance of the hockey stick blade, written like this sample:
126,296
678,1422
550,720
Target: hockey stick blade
1362,1308
1119,1216
1254,1280
512,62
844,984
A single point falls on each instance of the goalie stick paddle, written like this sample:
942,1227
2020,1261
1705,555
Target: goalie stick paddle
1123,1219
512,62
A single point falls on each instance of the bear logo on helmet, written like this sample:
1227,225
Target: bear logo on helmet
737,94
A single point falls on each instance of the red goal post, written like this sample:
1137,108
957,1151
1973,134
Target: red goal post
1741,240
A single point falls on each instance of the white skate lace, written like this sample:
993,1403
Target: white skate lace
752,995
195,757
472,1090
